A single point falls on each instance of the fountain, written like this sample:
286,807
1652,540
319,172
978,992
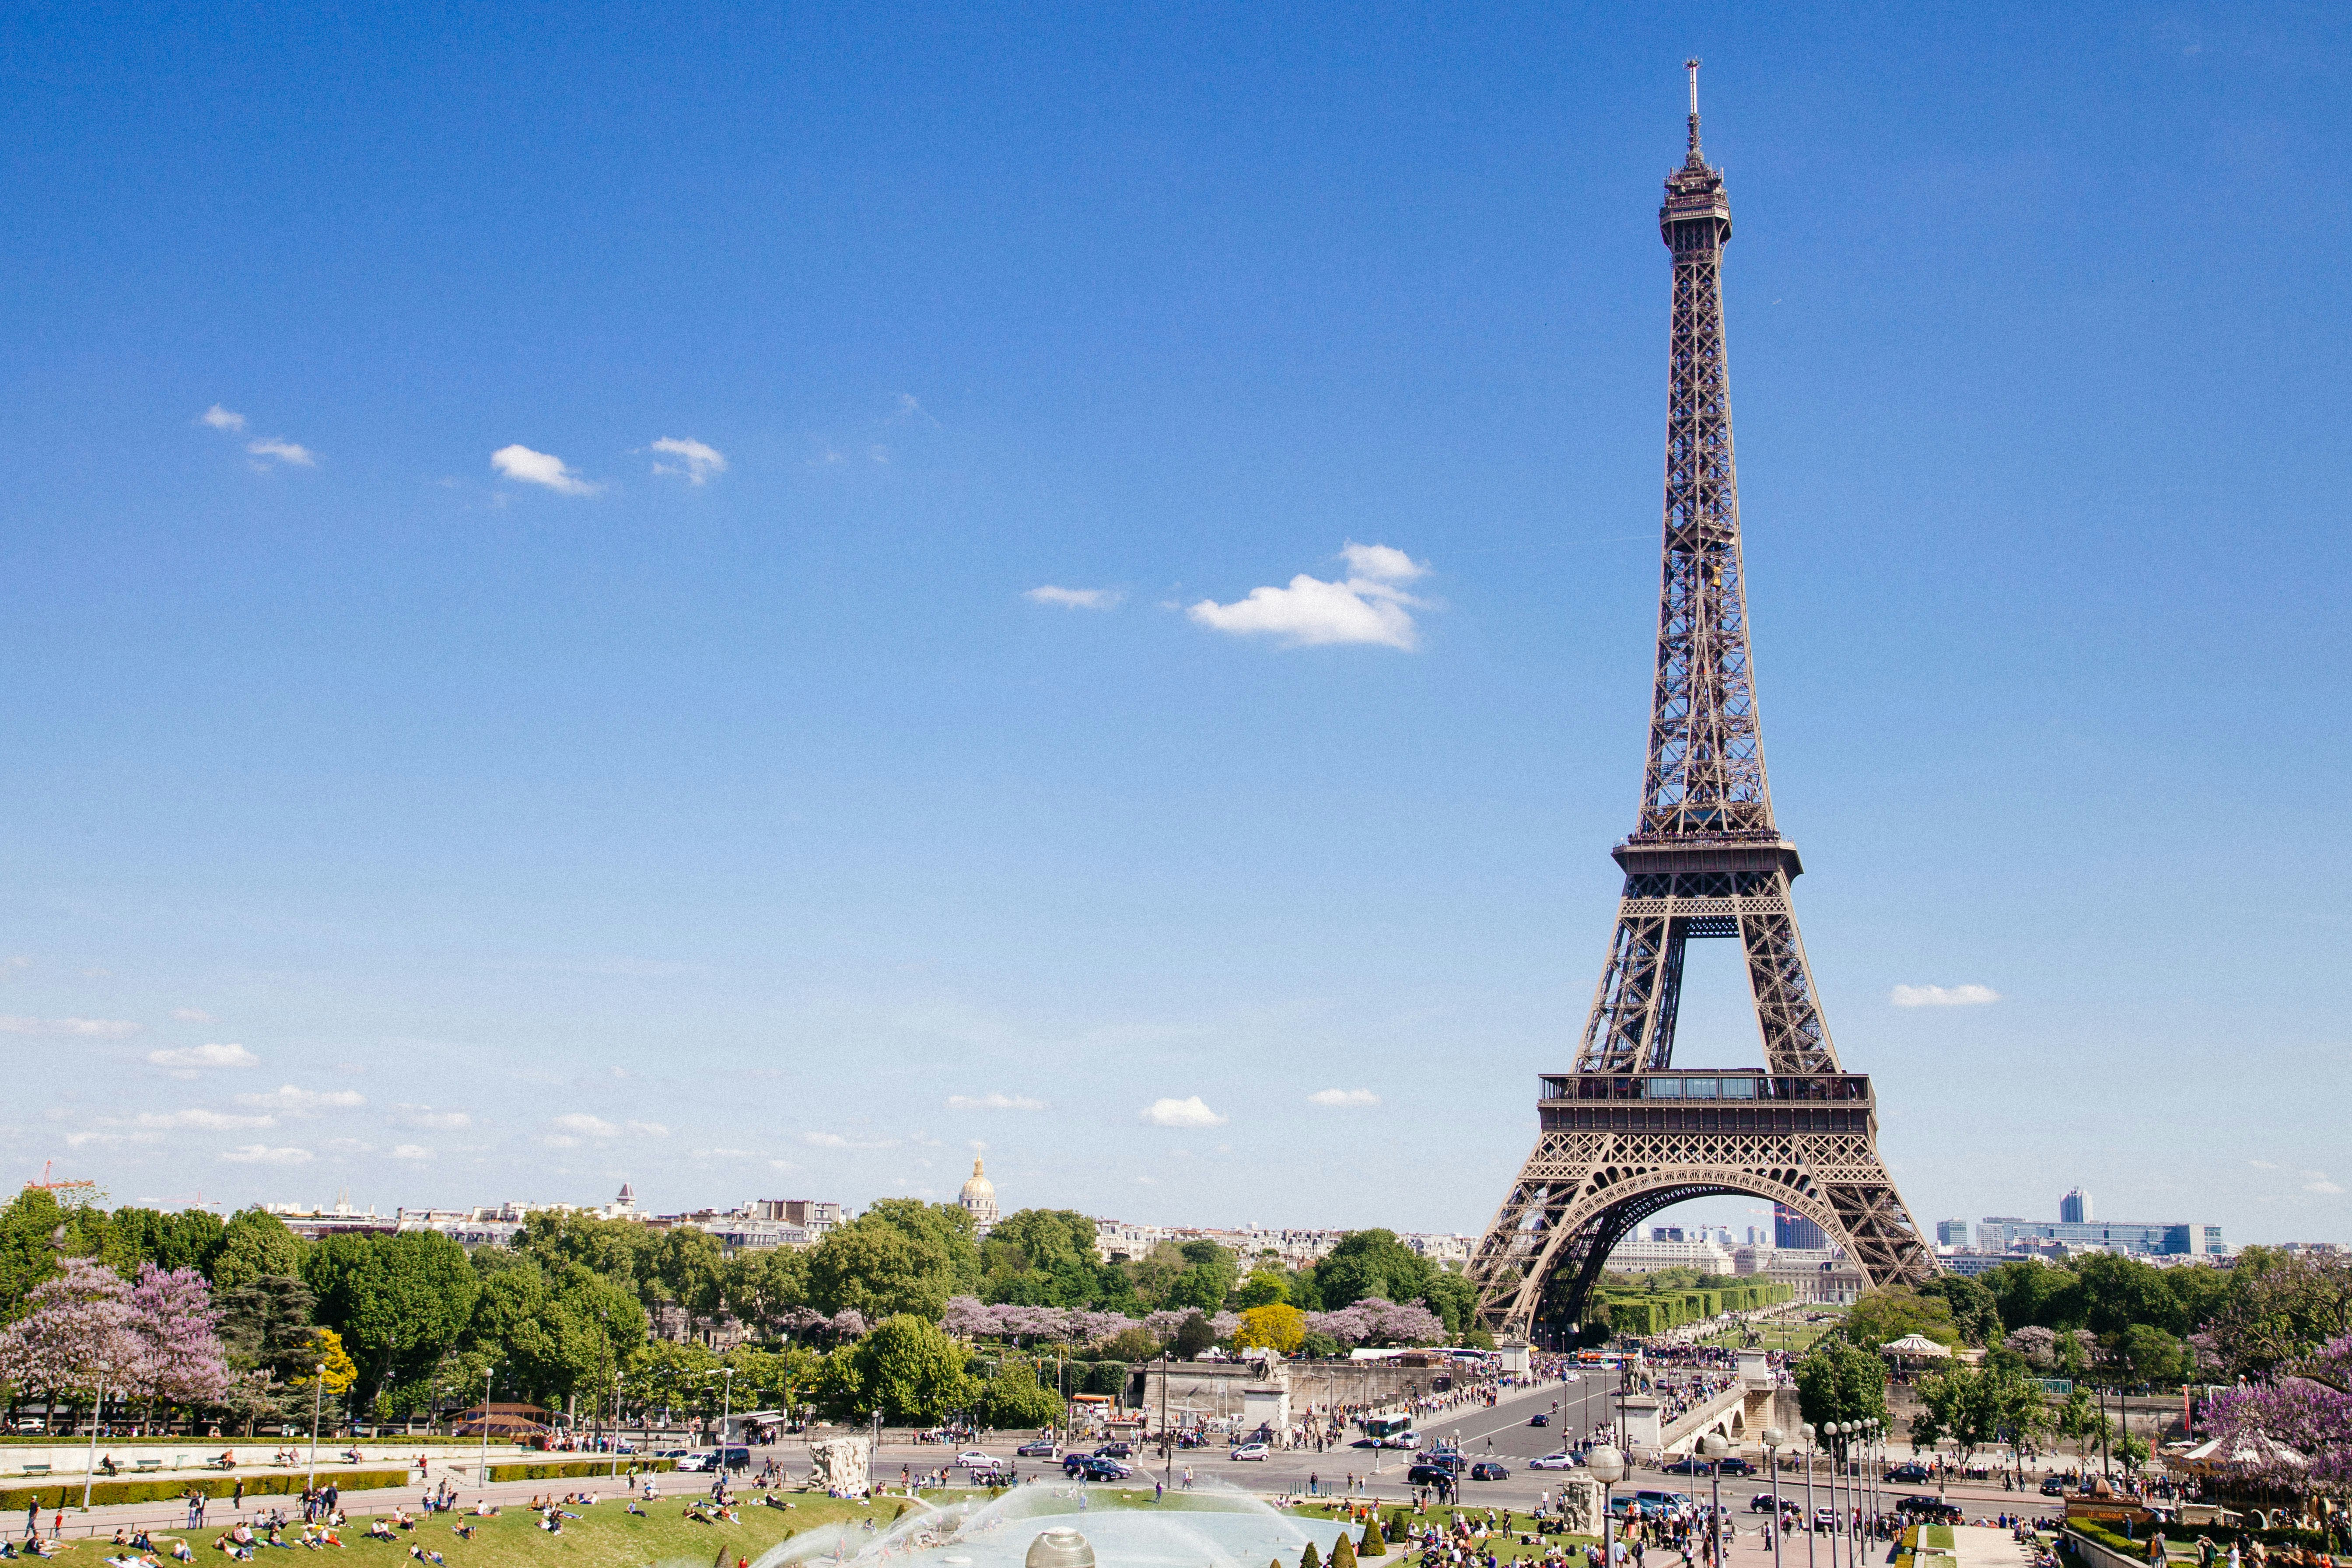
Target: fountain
1212,1526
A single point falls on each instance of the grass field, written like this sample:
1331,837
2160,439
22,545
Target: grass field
1505,1547
604,1534
1793,1337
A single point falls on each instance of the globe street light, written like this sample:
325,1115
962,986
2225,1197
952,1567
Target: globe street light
1830,1430
1714,1447
1772,1440
96,1409
1606,1465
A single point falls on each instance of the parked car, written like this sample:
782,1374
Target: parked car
1688,1464
706,1460
1540,1419
1402,1440
1114,1450
1733,1464
1917,1505
1086,1468
1043,1448
1910,1474
31,1423
972,1457
1248,1451
1824,1520
1560,1461
1488,1471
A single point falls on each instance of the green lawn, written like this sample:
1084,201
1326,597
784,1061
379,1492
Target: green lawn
1794,1338
604,1534
1507,1548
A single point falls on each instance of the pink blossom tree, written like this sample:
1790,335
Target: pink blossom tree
80,1319
2306,1410
175,1322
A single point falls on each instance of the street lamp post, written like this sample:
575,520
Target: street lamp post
488,1373
1831,1429
616,1422
318,1398
96,1409
1714,1447
1806,1432
1772,1437
1607,1466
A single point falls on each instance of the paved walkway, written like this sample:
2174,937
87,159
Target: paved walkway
1988,1546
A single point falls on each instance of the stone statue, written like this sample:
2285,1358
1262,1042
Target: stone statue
842,1467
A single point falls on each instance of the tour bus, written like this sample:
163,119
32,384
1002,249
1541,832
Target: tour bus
1389,1431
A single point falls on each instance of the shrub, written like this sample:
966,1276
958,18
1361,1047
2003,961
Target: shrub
568,1469
1343,1552
68,1494
1373,1546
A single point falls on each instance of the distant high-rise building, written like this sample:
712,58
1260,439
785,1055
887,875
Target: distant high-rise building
1951,1233
1791,1228
2075,1208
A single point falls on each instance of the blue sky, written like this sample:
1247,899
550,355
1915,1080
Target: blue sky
408,787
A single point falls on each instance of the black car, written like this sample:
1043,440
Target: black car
1733,1464
1115,1451
1043,1448
1910,1474
1934,1509
2053,1487
1540,1419
1488,1470
1685,1465
1426,1475
1086,1468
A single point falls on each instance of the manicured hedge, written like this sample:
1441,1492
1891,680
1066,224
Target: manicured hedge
573,1469
68,1493
1653,1312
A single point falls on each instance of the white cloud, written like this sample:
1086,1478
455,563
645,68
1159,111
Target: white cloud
192,1015
994,1101
2261,1164
835,1141
263,1154
557,1141
519,462
648,1128
76,1028
1349,1097
1187,1112
2318,1182
411,1151
1076,598
285,452
699,461
208,1120
187,1059
1367,606
585,1125
220,419
79,1140
302,1101
438,1120
1944,995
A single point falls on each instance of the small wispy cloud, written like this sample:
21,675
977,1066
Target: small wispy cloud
263,1154
424,1116
648,1128
204,1120
69,1028
187,1061
2261,1164
582,1124
287,452
2318,1182
411,1151
519,462
192,1015
695,461
1346,1096
1367,606
1076,598
1189,1111
994,1101
299,1101
835,1141
220,419
1944,995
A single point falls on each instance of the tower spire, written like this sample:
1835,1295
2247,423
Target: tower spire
1691,65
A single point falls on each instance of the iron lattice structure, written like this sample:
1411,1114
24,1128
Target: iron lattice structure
1625,1134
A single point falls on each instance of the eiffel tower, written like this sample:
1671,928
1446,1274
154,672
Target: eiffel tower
1625,1133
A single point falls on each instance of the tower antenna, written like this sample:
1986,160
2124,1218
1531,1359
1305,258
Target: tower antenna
1691,65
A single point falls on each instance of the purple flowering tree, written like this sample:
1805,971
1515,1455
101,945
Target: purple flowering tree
1376,1321
178,1328
79,1318
2307,1412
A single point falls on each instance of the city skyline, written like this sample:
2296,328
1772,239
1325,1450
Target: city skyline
782,604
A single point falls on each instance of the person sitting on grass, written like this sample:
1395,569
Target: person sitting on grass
179,1552
423,1555
638,1512
462,1532
379,1529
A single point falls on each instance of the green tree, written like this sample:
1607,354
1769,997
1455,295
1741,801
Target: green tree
190,1239
1373,1263
1842,1383
910,1370
1883,1316
1046,1257
2143,1353
880,1269
254,1242
1209,1272
1263,1287
2120,1292
2031,1294
265,1338
1013,1399
1978,1407
397,1301
762,1287
1974,1314
1454,1300
1194,1335
688,1271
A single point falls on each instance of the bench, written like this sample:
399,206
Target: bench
147,1465
37,1469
